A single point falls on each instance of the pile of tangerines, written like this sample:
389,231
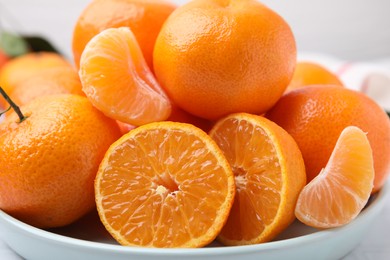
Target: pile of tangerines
186,124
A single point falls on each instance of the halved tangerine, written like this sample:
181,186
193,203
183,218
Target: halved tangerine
269,174
164,184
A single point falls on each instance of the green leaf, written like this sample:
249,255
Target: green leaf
13,45
38,44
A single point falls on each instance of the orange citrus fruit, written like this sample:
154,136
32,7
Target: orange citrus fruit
28,65
177,115
53,81
337,195
315,117
125,128
49,160
216,57
117,80
269,174
309,73
164,184
143,17
181,116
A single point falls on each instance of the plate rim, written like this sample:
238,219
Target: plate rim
376,205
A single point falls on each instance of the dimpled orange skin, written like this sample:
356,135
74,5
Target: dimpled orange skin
316,115
309,73
144,17
53,81
216,57
49,161
28,65
179,115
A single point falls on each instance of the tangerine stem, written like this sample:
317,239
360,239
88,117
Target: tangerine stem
13,105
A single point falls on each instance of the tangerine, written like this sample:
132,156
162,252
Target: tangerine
53,81
315,117
27,66
337,195
310,73
143,17
269,174
164,184
49,160
216,57
117,81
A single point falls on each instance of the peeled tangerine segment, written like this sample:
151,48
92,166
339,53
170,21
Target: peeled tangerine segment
338,194
164,185
117,80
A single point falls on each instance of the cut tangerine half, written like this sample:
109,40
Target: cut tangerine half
117,80
164,184
269,174
337,195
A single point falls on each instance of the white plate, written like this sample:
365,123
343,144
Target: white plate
87,239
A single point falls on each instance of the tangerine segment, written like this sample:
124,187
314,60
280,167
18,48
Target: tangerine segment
315,116
337,195
269,174
117,80
164,185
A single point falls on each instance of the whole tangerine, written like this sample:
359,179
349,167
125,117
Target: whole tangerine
52,82
316,115
26,66
216,57
49,160
143,17
310,73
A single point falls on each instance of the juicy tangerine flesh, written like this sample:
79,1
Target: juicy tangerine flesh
164,185
269,174
338,194
117,80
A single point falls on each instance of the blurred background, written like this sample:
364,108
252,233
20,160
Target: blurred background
355,30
